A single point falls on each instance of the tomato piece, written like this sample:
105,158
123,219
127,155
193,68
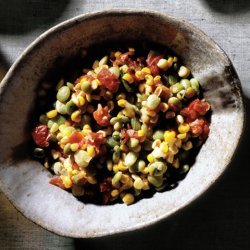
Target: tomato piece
102,116
200,127
75,137
95,139
57,181
195,109
126,134
152,61
41,135
108,80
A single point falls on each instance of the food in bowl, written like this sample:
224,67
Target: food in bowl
125,127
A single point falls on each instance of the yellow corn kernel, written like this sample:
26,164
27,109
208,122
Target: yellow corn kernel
115,193
183,128
170,158
76,116
157,79
122,102
149,80
55,154
91,180
54,127
88,98
139,75
81,100
87,127
103,61
146,70
187,146
141,87
51,114
66,181
163,64
141,132
95,83
125,179
95,64
74,147
184,72
178,143
75,172
164,147
124,148
128,199
176,163
91,151
128,77
156,143
169,137
150,158
117,54
175,59
62,127
145,170
124,68
120,96
182,136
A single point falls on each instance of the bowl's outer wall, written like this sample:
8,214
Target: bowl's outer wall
25,182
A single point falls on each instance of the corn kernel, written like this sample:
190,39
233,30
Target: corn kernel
66,181
87,127
184,72
91,151
157,79
146,70
183,128
103,61
74,147
142,87
170,158
124,68
128,77
138,183
54,127
91,180
169,137
95,64
75,172
76,116
115,193
128,199
182,136
52,114
163,64
139,75
121,102
81,100
149,80
117,54
88,98
187,146
176,163
141,132
164,147
150,158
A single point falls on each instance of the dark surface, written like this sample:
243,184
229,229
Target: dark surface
219,219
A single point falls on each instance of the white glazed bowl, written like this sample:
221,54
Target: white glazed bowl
26,183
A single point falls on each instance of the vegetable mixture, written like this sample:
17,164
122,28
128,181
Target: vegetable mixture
123,127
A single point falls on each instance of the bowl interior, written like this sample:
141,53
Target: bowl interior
25,181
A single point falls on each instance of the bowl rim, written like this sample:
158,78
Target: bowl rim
115,12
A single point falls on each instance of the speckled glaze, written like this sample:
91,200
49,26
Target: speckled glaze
25,181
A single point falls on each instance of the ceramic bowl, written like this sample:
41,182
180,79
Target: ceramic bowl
25,181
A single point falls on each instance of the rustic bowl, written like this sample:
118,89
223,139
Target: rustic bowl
26,183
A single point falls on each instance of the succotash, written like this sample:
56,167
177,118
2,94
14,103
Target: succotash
123,127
